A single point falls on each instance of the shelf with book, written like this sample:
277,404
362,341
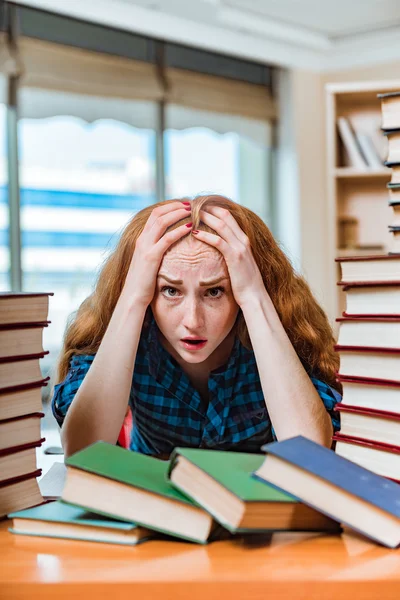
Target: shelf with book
358,211
353,173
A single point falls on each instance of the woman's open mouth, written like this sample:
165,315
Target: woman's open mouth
193,344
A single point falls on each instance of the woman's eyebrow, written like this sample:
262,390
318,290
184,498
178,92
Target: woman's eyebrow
209,283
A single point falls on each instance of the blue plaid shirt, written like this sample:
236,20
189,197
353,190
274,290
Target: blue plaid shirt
168,411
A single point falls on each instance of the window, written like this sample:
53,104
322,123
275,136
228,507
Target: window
80,184
214,153
4,214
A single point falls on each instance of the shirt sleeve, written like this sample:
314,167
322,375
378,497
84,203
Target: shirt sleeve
65,391
330,397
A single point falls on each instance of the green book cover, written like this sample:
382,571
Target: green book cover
85,524
60,512
132,468
233,470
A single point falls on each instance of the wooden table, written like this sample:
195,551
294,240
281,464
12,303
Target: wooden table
285,566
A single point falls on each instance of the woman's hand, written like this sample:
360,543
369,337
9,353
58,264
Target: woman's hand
234,245
150,248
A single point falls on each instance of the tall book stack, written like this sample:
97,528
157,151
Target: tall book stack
369,336
391,129
22,320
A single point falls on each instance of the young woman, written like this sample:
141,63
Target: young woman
202,329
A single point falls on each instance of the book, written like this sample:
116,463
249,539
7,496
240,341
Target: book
393,137
370,393
369,331
23,307
19,460
19,493
381,267
337,487
21,340
395,245
60,520
353,153
371,363
394,192
368,150
374,425
52,483
26,400
222,483
380,458
372,299
19,373
20,430
122,484
390,108
395,168
395,206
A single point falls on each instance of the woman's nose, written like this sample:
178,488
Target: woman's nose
193,315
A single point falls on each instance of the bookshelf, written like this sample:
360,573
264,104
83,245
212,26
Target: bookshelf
358,211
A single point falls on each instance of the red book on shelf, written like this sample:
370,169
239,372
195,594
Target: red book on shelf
364,269
20,430
24,477
381,458
372,298
24,386
375,425
370,363
369,393
18,460
21,447
19,371
24,307
339,437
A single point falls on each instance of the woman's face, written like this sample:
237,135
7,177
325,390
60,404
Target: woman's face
193,299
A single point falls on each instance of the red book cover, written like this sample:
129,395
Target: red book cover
38,415
365,381
349,284
372,380
18,358
10,326
369,319
21,448
369,412
24,477
24,294
367,349
24,386
371,316
362,258
338,437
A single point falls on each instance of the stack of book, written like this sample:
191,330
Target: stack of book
118,496
22,319
369,337
391,127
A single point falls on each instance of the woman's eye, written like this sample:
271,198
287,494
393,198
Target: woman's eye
216,292
166,289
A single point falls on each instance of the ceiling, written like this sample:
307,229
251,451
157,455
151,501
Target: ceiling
320,35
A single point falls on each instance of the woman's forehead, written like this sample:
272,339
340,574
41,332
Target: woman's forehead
194,255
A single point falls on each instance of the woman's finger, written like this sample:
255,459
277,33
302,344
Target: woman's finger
162,223
165,209
221,227
213,240
172,236
227,219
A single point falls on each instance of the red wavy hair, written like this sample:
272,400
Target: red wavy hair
304,321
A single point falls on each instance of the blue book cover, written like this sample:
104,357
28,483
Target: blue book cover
339,471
